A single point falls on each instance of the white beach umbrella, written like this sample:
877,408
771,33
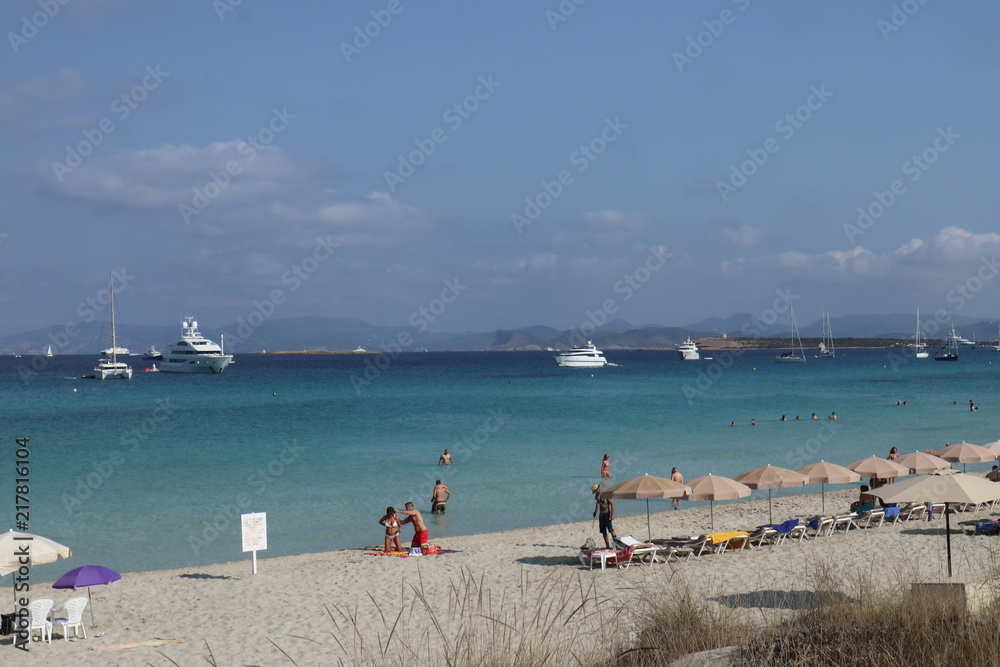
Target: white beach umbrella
824,472
713,487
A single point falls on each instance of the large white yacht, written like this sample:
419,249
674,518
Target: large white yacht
689,351
959,341
585,356
193,353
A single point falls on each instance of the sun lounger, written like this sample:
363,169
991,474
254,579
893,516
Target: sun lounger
687,546
913,513
644,552
869,519
984,527
844,521
820,526
619,558
733,540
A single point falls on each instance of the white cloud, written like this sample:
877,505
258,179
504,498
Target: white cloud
744,236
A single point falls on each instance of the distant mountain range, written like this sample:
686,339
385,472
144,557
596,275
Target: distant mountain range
336,333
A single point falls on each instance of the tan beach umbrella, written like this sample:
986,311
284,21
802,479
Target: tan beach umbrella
713,487
824,473
647,486
942,486
771,477
921,462
966,452
993,447
874,466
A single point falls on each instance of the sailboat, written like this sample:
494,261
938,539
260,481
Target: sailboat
950,351
791,357
921,352
825,349
112,368
48,352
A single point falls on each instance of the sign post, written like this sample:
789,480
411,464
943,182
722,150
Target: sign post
254,534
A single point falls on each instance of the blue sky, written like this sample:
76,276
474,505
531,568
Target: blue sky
503,163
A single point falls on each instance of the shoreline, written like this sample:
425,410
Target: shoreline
302,602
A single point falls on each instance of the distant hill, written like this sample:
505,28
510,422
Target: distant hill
337,333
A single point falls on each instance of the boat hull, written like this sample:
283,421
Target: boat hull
201,364
113,372
782,359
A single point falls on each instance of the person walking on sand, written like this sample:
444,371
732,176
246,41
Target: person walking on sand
439,498
420,532
445,459
391,523
606,466
606,508
676,476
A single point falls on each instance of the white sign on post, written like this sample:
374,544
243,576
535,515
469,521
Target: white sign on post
254,534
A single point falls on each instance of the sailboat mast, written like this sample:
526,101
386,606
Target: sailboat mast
114,340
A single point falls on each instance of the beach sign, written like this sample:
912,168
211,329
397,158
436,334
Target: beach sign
254,534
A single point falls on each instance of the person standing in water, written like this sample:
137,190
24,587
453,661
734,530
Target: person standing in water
439,498
445,459
676,476
606,466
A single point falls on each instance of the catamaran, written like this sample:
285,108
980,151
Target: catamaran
108,368
825,349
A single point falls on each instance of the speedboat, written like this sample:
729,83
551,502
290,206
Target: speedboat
689,351
585,356
152,354
194,353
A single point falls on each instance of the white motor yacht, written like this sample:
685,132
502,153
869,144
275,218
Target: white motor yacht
194,353
585,356
689,351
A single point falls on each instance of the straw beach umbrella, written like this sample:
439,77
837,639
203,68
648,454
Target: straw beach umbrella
922,462
712,487
876,467
942,486
966,452
824,473
647,487
771,477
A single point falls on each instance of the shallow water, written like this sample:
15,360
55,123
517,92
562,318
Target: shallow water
153,473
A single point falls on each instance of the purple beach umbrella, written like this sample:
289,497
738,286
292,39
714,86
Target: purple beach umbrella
85,577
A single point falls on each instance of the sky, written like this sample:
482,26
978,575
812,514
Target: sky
476,166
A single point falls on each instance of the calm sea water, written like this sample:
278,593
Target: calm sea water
154,473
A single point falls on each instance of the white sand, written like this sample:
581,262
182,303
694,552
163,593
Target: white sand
510,576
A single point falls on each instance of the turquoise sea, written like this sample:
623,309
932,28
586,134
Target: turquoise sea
153,473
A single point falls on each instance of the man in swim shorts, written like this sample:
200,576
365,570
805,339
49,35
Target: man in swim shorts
439,498
420,532
606,508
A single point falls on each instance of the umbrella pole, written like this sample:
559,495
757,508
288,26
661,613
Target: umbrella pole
90,603
649,529
770,515
822,491
711,513
947,533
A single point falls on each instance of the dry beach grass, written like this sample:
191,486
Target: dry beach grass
521,597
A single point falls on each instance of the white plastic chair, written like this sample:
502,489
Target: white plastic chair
74,617
40,609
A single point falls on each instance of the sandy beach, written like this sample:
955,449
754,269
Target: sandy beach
497,589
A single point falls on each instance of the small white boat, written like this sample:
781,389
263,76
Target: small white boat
48,352
585,356
792,357
360,349
111,368
689,351
825,349
194,353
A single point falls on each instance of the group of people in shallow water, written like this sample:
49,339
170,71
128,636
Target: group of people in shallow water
784,418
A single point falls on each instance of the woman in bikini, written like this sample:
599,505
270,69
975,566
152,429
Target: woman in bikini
391,524
606,466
